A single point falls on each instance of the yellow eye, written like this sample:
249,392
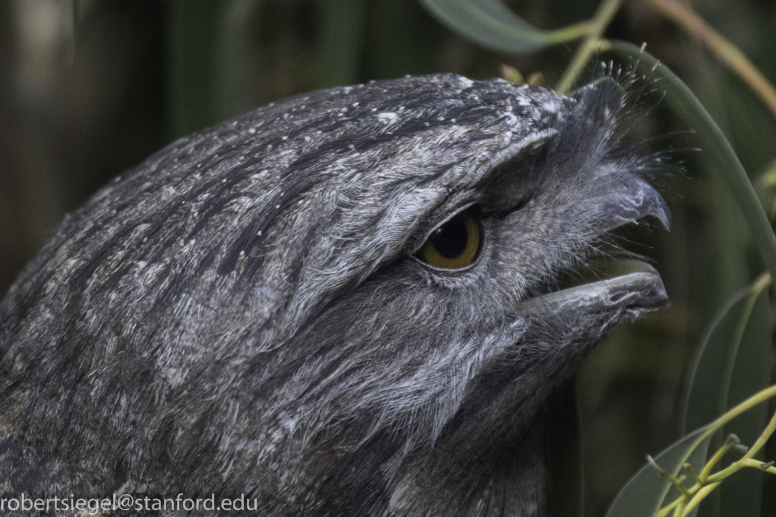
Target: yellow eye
455,244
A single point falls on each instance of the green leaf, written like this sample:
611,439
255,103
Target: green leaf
647,491
733,363
713,143
491,24
734,349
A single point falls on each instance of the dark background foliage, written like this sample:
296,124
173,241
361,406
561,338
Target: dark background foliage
90,88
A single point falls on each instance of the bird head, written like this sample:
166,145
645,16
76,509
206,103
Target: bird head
350,301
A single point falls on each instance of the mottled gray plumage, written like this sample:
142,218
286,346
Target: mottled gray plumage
243,313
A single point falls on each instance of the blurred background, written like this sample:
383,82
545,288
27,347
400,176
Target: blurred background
90,88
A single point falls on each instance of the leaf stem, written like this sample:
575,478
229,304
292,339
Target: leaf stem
731,442
667,509
747,460
721,47
738,465
698,497
757,398
693,474
677,482
760,443
589,46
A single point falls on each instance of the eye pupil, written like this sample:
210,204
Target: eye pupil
455,244
450,240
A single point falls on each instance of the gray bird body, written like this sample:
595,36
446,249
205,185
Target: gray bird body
243,313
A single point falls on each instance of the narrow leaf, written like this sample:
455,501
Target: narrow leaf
733,363
647,491
716,361
741,496
491,24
